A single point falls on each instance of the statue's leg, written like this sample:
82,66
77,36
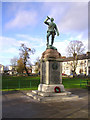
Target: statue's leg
48,34
52,41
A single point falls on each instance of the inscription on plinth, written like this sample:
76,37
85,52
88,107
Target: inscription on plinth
51,72
54,72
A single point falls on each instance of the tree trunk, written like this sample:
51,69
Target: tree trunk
26,68
74,63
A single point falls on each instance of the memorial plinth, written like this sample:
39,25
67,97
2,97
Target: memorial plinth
51,71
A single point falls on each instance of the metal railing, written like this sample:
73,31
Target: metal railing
14,82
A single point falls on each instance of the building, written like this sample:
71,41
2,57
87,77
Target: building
1,68
34,67
83,64
12,70
29,70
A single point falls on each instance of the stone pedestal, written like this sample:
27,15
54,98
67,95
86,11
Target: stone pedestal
51,71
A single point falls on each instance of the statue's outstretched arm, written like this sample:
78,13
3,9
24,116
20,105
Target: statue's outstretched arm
46,20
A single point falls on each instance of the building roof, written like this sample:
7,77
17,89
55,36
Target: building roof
79,57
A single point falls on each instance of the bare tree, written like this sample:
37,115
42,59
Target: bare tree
74,49
14,62
25,54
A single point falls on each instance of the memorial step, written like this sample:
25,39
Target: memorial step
35,91
30,94
46,94
45,97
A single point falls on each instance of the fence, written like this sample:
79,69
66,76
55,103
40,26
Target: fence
85,83
19,82
32,82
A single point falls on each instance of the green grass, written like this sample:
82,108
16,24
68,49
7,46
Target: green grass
31,82
20,82
33,88
75,82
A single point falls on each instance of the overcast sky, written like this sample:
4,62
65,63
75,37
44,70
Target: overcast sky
23,22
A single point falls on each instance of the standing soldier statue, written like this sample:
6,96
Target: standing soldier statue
52,29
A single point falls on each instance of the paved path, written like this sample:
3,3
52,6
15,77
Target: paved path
17,105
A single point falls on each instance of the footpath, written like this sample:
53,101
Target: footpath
16,104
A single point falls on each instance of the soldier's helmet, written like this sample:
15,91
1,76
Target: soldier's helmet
52,19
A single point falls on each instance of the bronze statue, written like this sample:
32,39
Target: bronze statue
52,29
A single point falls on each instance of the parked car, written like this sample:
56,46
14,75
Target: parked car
71,75
64,75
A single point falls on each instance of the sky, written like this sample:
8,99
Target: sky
23,22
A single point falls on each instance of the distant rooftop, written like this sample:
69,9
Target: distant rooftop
79,57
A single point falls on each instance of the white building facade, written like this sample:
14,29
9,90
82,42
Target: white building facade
83,65
1,68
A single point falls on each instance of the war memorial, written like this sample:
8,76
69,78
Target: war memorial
51,87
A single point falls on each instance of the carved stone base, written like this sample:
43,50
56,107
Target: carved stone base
50,88
51,53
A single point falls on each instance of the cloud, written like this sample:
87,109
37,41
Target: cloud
31,41
8,49
6,42
69,16
12,51
62,46
71,19
22,19
10,46
4,60
75,19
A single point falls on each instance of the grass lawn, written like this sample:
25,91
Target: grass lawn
31,82
75,82
20,82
